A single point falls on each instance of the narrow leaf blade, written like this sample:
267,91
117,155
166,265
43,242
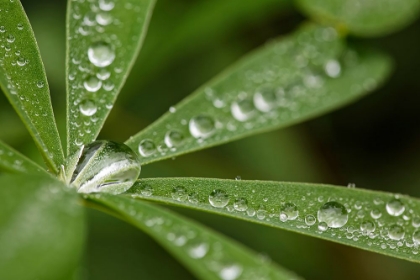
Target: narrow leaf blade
299,77
370,226
42,228
205,253
13,161
364,17
103,41
23,80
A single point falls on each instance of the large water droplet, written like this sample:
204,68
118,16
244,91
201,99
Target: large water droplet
92,84
289,211
202,126
106,166
242,110
333,214
101,54
88,107
218,198
147,147
396,232
395,207
106,5
173,138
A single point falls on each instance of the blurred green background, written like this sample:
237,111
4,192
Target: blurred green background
374,143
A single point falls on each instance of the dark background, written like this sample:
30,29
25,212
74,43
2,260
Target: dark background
373,143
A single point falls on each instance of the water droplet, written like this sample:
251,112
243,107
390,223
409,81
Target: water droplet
2,29
20,26
202,126
416,237
416,222
173,138
230,272
106,166
106,5
310,220
88,107
179,193
261,213
322,226
108,86
146,190
103,18
101,54
238,178
333,214
103,74
10,38
265,99
198,250
243,109
40,84
240,204
218,198
21,61
396,232
367,226
395,207
289,212
375,213
92,84
332,68
147,147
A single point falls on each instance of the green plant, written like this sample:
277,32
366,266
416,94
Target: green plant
303,75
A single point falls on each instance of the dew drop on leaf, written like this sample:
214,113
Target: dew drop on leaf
310,220
173,138
147,148
198,250
92,84
240,204
333,214
367,226
265,99
218,198
230,272
106,166
416,237
288,211
243,109
375,213
101,54
202,126
396,232
395,207
88,107
322,226
179,193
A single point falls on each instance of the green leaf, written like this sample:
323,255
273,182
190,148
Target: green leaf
42,228
13,161
377,221
363,17
23,80
207,254
286,82
103,42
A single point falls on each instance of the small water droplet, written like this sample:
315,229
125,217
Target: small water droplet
333,214
367,226
179,193
101,54
240,204
198,250
332,68
88,107
202,126
310,220
395,207
416,222
10,38
243,109
2,29
146,190
173,138
230,272
375,213
20,26
396,232
103,18
218,198
106,166
40,84
106,5
416,237
147,147
103,74
288,211
322,226
92,84
21,61
265,99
